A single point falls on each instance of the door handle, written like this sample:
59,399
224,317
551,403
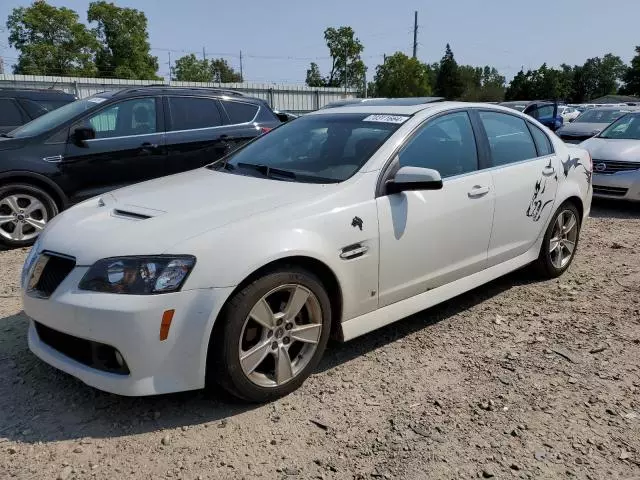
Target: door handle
548,171
149,146
478,191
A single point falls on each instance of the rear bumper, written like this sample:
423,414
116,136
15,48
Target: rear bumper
618,186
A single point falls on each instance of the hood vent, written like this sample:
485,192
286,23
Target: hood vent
130,215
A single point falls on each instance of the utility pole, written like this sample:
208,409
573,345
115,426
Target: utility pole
415,35
204,54
241,74
170,72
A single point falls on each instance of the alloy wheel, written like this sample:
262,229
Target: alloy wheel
280,335
22,217
563,239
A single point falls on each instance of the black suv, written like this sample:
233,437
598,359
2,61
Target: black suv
19,106
114,139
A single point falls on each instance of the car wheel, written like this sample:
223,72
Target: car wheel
273,334
24,212
560,242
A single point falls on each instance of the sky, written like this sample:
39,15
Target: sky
280,38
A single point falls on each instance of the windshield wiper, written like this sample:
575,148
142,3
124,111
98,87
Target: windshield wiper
5,135
268,171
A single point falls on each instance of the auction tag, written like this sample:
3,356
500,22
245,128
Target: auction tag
96,99
386,118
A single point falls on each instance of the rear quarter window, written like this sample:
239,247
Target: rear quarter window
240,112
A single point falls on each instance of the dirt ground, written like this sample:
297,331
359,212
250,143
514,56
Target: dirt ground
517,379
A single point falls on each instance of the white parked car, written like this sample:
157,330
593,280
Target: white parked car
568,114
338,222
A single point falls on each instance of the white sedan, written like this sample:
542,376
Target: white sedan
336,223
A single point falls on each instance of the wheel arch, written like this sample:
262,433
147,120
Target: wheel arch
319,268
37,180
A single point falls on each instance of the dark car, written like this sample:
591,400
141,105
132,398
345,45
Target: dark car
114,139
20,106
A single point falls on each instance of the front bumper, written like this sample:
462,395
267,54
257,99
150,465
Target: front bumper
619,186
131,325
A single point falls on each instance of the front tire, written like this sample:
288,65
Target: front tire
560,242
272,336
24,212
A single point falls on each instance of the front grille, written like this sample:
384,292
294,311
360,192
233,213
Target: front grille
611,191
93,354
52,274
607,167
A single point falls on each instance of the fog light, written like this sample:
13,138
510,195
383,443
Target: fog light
119,359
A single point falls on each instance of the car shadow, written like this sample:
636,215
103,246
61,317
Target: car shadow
41,404
602,208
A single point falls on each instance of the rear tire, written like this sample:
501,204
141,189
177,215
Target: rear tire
272,335
560,242
24,212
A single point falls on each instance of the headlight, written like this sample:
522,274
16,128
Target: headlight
28,263
138,275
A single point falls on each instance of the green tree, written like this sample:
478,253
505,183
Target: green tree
632,76
222,72
449,80
314,77
125,50
401,76
191,69
51,41
347,67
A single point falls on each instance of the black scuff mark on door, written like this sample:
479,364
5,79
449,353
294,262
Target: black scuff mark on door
538,204
569,164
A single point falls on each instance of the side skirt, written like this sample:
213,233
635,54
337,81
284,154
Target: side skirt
391,313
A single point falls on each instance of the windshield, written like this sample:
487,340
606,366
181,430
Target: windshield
316,148
625,128
55,117
600,116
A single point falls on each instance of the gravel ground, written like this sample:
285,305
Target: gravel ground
517,379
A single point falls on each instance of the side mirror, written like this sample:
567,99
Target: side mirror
81,134
571,120
414,178
284,117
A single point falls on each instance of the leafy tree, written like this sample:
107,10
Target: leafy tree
314,77
632,76
125,42
51,41
449,80
222,72
401,76
191,69
347,66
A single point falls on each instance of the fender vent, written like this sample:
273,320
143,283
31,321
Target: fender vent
353,251
130,215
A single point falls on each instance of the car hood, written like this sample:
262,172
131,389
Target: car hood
579,129
610,149
152,217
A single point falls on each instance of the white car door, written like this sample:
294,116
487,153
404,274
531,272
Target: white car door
525,178
429,238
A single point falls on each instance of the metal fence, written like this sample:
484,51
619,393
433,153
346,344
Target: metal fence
292,98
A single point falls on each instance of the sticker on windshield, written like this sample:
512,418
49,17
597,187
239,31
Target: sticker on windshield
386,118
96,99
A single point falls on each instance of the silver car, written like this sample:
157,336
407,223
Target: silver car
616,159
590,123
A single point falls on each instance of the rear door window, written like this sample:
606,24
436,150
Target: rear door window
509,138
240,112
189,113
10,114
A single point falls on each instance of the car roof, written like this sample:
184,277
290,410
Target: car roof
373,108
34,93
183,91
